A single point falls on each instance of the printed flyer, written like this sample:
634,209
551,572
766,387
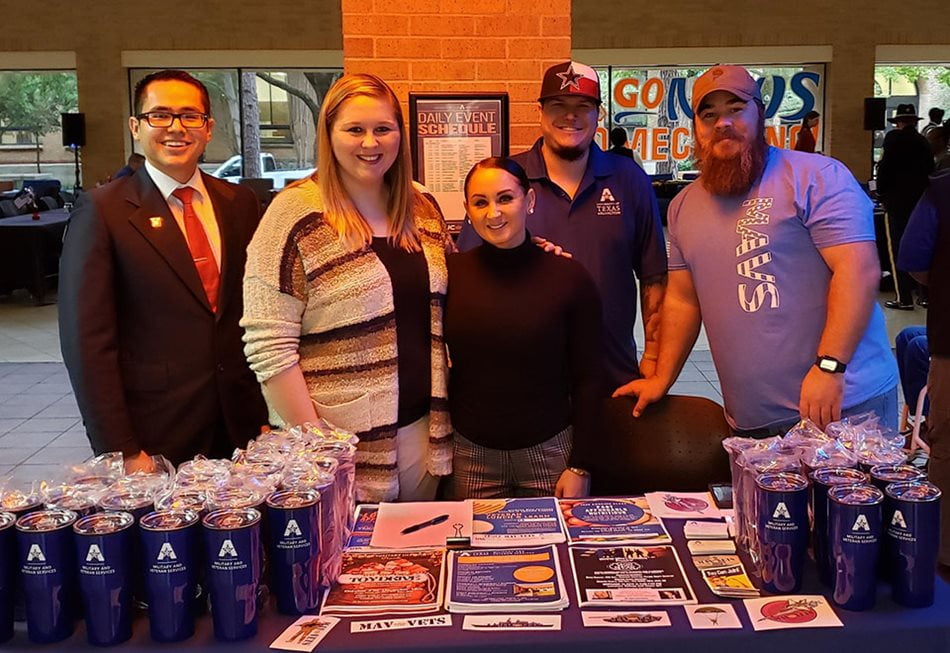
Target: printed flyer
617,521
683,505
381,582
493,580
725,576
363,527
629,576
515,522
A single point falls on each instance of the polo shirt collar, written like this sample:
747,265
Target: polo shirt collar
597,162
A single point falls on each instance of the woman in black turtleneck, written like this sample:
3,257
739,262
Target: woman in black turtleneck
524,334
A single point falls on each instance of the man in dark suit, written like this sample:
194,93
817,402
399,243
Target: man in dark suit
150,293
901,179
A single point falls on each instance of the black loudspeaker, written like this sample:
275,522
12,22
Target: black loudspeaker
874,109
74,129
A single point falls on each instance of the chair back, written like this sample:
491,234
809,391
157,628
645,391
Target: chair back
675,445
8,208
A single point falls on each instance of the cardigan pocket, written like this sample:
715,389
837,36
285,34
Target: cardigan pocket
353,415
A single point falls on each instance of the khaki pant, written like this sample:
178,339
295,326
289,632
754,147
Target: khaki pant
938,435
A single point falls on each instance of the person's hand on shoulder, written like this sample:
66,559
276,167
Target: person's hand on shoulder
551,248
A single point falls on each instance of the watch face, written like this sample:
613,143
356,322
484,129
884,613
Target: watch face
828,365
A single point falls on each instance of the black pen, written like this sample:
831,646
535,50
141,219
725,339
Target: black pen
425,524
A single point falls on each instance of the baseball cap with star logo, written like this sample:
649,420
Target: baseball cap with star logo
570,78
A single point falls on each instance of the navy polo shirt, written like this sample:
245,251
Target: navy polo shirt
612,227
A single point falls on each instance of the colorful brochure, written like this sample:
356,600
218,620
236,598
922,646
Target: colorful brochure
725,576
515,522
421,524
383,582
629,576
614,521
365,522
775,612
500,580
683,505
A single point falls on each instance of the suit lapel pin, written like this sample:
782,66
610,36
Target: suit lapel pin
156,222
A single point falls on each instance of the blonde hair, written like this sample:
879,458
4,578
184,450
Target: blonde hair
339,210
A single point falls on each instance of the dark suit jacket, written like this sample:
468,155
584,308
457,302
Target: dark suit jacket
903,170
153,368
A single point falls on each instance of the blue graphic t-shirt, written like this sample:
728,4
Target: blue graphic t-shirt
763,285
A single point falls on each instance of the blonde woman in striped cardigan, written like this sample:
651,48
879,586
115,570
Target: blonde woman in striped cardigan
343,296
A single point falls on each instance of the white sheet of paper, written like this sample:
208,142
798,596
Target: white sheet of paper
776,612
401,623
454,519
626,619
712,616
488,623
683,505
305,633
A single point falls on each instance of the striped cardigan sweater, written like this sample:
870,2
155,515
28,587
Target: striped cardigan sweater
309,300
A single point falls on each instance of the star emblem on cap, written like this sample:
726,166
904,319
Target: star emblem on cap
569,78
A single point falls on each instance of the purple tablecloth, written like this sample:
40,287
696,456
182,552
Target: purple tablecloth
888,627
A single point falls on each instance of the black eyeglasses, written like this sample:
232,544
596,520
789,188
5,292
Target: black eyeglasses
164,119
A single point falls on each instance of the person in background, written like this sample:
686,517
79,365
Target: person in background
135,162
773,251
150,293
939,139
618,145
936,118
913,364
925,253
806,135
901,179
601,208
526,385
344,292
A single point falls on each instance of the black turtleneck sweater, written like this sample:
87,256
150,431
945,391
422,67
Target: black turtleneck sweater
523,328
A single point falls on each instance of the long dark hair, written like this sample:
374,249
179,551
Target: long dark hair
809,116
510,166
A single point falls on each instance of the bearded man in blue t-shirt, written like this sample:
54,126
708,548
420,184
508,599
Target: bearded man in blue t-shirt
774,251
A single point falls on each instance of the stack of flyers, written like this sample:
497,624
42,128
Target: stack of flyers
383,582
515,522
612,521
725,576
364,523
505,580
629,576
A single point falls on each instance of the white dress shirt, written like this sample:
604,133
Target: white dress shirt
200,202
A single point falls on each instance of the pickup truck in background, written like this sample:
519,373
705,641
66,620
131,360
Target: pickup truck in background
230,170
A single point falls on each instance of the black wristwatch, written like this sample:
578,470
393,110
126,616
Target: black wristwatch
830,364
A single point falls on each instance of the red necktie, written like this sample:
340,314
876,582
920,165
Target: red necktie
201,252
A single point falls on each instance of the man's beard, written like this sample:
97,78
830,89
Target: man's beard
733,175
569,153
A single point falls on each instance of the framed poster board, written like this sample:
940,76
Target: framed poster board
449,133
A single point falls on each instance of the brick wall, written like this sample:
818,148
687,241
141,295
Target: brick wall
461,45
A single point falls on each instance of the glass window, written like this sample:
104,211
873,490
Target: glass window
265,121
926,86
653,106
31,142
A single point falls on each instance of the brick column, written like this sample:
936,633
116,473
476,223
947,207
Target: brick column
461,45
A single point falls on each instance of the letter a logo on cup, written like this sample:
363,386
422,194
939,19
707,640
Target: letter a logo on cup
292,529
227,549
35,553
95,554
781,510
898,519
167,552
861,524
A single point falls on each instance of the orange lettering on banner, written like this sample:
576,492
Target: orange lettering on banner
775,136
601,137
652,93
679,144
639,142
623,96
661,144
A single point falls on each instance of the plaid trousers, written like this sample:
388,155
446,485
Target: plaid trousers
485,473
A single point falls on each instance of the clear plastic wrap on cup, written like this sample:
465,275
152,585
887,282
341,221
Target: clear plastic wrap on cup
20,497
235,495
829,454
872,456
201,471
754,462
195,499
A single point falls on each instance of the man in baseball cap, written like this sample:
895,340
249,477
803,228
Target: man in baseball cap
601,208
773,251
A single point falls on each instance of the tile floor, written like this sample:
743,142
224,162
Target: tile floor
40,427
